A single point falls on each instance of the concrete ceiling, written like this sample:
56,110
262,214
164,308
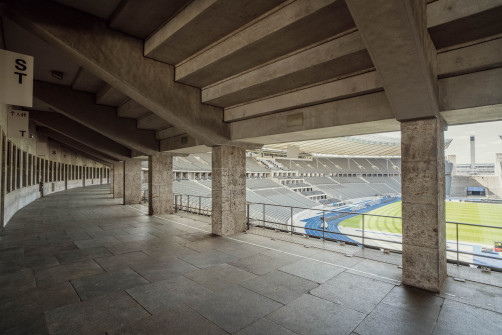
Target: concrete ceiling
215,72
47,57
100,8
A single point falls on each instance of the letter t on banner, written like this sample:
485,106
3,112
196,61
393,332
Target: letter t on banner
16,79
17,124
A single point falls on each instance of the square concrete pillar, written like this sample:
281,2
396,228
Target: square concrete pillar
160,184
229,190
132,181
118,180
423,195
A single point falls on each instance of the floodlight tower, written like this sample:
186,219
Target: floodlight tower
473,152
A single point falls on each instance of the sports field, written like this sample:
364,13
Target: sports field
465,212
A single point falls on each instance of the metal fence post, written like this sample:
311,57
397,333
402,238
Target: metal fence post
363,229
291,220
176,203
188,203
248,216
200,199
458,255
264,214
181,202
323,221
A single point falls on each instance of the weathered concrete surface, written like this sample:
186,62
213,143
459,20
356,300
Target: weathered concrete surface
229,190
129,15
335,58
80,107
423,195
370,113
132,181
270,37
451,22
76,144
333,90
152,122
395,33
471,90
132,109
118,59
78,132
87,82
110,96
118,180
477,57
160,184
194,27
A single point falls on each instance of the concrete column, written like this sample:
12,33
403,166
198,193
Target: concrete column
132,181
118,180
423,194
160,184
229,190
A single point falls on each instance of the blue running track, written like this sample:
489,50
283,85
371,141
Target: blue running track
332,231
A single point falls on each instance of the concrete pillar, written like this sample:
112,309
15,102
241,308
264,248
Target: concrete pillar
160,184
423,194
132,181
229,190
118,180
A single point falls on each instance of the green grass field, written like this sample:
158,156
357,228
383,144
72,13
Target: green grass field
465,212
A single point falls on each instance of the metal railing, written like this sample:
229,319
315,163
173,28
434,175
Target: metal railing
301,221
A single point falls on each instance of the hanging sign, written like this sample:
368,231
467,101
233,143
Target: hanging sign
16,79
17,124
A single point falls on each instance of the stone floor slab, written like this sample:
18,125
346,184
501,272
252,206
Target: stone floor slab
157,270
311,315
108,282
234,308
264,327
315,271
207,258
219,277
357,292
180,321
458,318
167,294
280,286
95,316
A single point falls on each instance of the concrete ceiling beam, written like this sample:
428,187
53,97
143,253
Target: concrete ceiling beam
474,58
87,82
456,22
75,144
168,132
335,58
118,59
334,90
80,133
273,35
395,34
131,109
130,15
110,96
471,90
370,113
195,27
80,107
152,122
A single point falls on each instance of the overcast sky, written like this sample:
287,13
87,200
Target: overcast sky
488,141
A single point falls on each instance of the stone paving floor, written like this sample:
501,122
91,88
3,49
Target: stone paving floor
77,262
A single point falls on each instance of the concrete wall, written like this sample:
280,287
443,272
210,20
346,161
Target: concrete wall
24,187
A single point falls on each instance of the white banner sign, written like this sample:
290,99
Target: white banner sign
17,124
16,79
42,148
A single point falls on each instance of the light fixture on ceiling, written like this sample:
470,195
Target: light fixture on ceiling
57,74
